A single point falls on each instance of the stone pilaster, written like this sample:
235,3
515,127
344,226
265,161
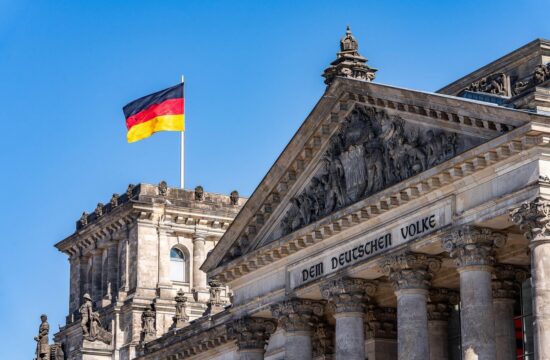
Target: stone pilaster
411,275
200,289
75,285
164,285
505,284
381,333
349,298
534,220
298,318
96,285
473,249
439,306
111,274
252,335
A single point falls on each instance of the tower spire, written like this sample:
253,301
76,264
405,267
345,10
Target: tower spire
349,63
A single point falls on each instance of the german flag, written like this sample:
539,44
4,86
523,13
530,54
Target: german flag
160,111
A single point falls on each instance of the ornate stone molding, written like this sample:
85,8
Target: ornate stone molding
181,318
410,270
349,63
371,151
148,324
348,294
473,246
533,219
506,281
440,302
298,314
381,323
252,333
323,340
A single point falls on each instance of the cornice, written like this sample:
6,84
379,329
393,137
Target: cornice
460,167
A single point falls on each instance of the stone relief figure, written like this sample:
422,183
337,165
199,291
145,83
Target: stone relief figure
42,346
370,152
492,84
148,327
91,324
56,352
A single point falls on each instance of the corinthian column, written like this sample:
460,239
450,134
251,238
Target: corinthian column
252,335
439,306
534,219
349,297
411,276
298,318
505,286
473,250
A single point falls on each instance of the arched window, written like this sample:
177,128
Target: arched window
178,265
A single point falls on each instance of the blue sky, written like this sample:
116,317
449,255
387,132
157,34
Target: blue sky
252,73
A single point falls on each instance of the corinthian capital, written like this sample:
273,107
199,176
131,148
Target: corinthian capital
409,270
440,302
298,314
473,246
381,323
348,294
506,281
252,333
533,219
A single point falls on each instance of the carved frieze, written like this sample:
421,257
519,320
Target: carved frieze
371,151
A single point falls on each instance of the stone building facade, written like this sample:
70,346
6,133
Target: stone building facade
396,224
138,259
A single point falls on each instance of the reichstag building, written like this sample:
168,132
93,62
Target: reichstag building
396,224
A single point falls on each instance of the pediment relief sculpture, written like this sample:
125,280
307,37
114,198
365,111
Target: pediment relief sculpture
496,84
370,152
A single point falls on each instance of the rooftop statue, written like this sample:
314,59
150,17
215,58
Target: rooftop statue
42,346
91,324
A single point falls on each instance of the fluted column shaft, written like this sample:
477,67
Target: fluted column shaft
349,297
199,255
473,250
410,274
534,220
297,317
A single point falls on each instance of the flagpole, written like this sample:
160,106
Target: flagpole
182,148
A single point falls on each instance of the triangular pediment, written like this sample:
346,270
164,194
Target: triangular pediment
360,139
370,151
